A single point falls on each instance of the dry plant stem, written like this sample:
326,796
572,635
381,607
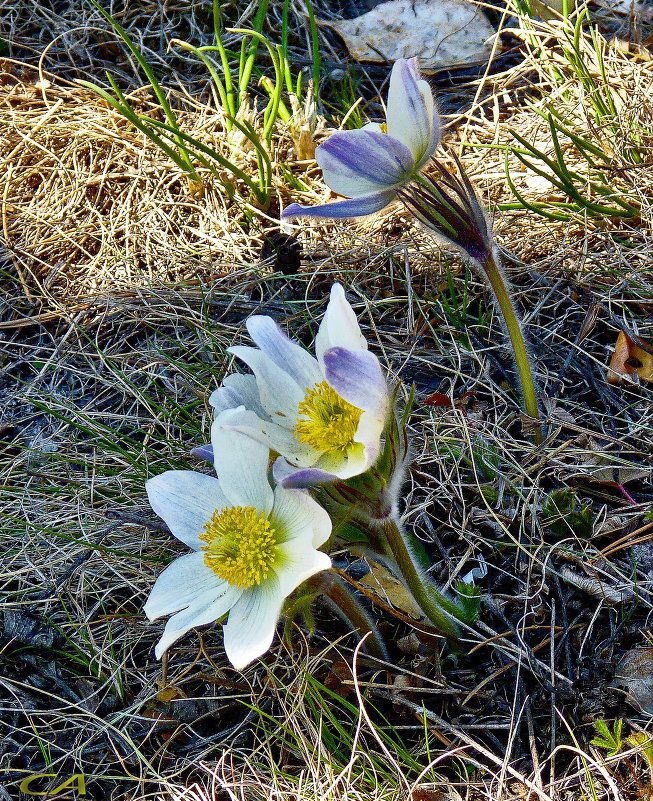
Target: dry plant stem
494,275
423,594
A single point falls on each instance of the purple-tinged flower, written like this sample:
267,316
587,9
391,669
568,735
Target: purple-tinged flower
369,165
373,168
324,415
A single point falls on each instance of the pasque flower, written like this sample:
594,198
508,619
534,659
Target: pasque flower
324,415
252,545
373,168
370,165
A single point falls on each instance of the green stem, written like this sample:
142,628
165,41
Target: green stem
347,607
499,286
429,599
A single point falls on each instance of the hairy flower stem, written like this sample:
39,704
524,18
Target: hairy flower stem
429,599
345,605
493,273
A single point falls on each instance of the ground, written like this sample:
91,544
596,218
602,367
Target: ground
123,282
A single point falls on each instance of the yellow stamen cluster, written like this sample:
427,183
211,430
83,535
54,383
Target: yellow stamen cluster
326,421
240,545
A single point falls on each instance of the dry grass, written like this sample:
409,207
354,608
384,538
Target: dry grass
120,295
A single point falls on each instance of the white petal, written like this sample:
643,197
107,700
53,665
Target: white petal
339,326
363,162
186,501
300,516
276,438
301,564
252,622
411,114
182,583
280,394
369,431
207,608
286,354
237,390
241,462
353,463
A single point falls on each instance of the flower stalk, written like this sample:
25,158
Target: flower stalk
429,599
491,268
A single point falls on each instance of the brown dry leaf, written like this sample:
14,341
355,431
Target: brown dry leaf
389,589
629,360
635,676
438,32
606,468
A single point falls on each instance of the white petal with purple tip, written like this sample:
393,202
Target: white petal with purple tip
358,378
339,326
288,476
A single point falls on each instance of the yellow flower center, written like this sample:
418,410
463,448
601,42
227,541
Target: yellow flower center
241,545
326,421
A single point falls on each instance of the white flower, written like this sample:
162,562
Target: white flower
371,166
252,546
324,415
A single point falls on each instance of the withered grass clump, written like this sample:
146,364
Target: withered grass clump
90,203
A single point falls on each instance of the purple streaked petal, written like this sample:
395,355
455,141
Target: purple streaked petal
360,206
286,354
358,378
360,162
412,117
288,476
204,452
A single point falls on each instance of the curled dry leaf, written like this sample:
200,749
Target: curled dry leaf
438,32
629,362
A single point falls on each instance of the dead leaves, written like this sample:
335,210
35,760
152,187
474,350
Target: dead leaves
630,362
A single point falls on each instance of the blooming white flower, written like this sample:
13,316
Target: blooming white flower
324,415
252,546
370,165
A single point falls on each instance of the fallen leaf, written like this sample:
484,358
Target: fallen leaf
597,464
391,590
438,32
629,360
635,676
